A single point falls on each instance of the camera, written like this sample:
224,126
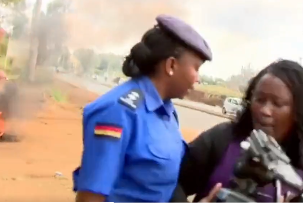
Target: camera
262,162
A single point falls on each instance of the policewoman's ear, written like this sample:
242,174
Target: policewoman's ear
171,65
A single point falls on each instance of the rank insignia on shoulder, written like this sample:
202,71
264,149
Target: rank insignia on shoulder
132,99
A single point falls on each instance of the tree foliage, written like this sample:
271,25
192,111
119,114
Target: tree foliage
52,32
86,58
241,80
19,22
92,62
211,80
10,2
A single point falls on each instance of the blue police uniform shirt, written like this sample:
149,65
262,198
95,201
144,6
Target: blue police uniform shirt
132,145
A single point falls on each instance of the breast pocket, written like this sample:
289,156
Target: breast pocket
162,153
164,145
159,150
164,142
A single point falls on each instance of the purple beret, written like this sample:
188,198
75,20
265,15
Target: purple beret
186,33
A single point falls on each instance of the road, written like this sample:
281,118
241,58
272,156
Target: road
189,118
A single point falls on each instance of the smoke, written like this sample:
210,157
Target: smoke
106,24
73,24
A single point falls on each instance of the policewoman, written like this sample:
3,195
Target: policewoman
132,143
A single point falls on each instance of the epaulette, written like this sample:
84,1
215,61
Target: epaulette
132,98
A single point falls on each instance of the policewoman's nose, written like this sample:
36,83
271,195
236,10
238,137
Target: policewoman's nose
197,78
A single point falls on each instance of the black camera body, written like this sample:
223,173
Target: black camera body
262,162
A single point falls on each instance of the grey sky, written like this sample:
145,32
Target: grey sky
238,31
249,31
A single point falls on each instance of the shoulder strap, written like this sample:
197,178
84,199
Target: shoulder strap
132,99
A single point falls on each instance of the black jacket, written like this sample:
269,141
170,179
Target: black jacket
200,159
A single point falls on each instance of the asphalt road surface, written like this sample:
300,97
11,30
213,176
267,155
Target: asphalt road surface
189,118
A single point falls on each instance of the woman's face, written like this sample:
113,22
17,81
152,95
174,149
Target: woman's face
186,73
272,107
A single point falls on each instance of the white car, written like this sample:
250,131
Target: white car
232,106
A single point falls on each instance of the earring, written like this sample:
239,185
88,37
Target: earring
171,73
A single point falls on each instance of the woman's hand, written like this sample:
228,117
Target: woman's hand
212,194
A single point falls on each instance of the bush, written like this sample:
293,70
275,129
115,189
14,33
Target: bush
58,95
218,90
206,98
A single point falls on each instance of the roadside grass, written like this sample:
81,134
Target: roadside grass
218,90
58,95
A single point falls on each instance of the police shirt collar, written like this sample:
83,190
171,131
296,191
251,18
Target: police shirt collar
153,100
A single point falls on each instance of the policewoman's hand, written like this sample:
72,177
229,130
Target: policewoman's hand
212,194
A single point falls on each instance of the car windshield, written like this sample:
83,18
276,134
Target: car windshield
236,101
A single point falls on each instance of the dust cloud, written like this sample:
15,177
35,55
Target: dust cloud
113,23
102,25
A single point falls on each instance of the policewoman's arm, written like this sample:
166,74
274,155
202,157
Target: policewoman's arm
106,134
200,159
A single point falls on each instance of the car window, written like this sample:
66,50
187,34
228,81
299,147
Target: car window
233,101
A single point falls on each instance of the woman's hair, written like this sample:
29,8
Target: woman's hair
291,73
156,45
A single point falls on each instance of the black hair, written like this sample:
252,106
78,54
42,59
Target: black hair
291,73
156,45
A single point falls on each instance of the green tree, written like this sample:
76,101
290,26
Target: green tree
240,81
87,58
103,65
52,32
206,79
34,42
114,61
19,23
10,2
64,60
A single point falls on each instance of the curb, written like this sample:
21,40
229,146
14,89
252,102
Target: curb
202,110
187,106
177,103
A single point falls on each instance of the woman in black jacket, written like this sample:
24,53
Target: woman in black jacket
274,104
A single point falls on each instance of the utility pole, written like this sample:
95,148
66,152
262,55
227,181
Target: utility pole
34,41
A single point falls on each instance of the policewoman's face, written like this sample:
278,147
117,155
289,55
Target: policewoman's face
186,73
272,107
